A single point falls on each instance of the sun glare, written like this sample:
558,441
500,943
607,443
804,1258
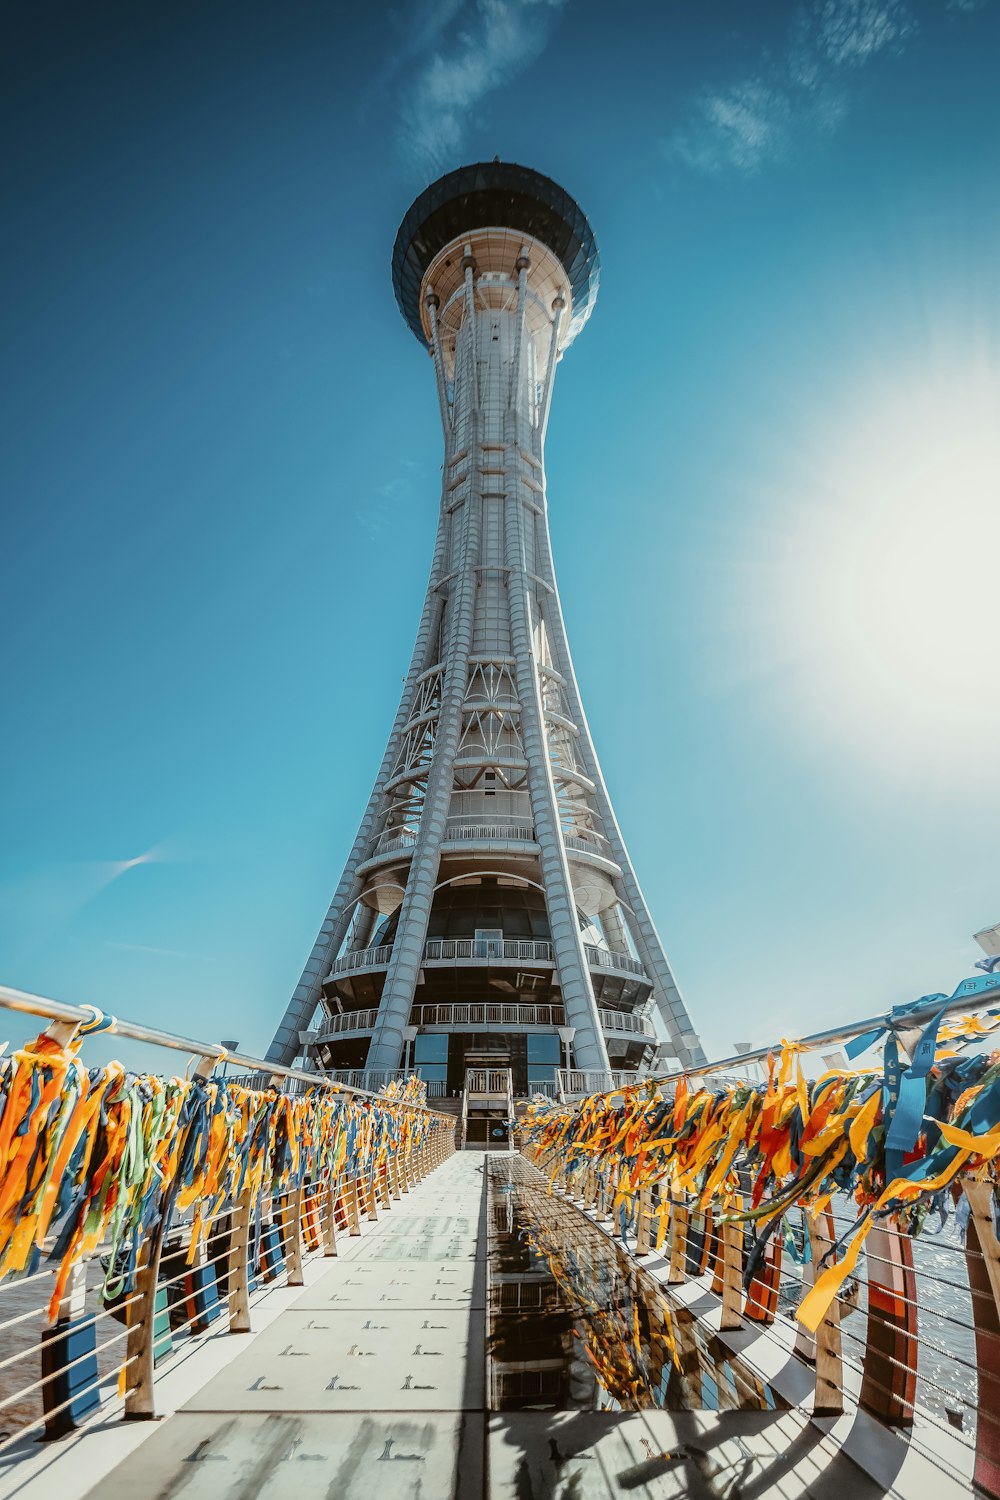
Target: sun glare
882,573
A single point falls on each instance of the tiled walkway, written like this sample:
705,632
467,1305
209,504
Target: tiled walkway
371,1384
370,1387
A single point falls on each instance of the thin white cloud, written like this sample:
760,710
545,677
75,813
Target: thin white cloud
849,32
158,952
741,127
463,51
757,119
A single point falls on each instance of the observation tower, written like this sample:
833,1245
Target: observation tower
489,915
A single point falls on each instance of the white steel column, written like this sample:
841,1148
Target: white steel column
411,932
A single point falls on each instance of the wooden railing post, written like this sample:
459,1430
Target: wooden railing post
762,1293
590,1188
679,1223
368,1195
141,1313
731,1236
829,1398
291,1224
329,1222
982,1258
352,1198
139,1404
644,1236
239,1264
889,1383
699,1241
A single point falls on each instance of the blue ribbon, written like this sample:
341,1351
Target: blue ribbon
898,1013
906,1113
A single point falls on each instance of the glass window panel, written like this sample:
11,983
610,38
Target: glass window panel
434,1072
543,1049
431,1049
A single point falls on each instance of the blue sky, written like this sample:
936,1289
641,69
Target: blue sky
773,465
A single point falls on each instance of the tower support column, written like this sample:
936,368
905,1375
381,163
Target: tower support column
567,943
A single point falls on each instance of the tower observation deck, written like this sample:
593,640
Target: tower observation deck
489,914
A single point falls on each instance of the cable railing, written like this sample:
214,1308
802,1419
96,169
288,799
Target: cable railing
209,1216
859,1239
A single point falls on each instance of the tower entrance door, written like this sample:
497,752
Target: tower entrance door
489,942
473,1049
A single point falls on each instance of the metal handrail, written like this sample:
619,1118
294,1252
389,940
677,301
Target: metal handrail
374,1078
487,1012
387,842
522,832
23,1003
363,958
596,843
494,1083
525,950
348,1021
971,995
623,1020
578,1081
604,958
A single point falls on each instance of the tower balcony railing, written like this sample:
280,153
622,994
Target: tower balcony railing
362,958
623,1021
485,950
501,831
375,1079
394,839
350,1023
622,963
488,1083
488,1014
594,843
490,950
579,1081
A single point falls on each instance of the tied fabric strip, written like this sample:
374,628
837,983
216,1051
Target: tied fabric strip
889,1139
103,1157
